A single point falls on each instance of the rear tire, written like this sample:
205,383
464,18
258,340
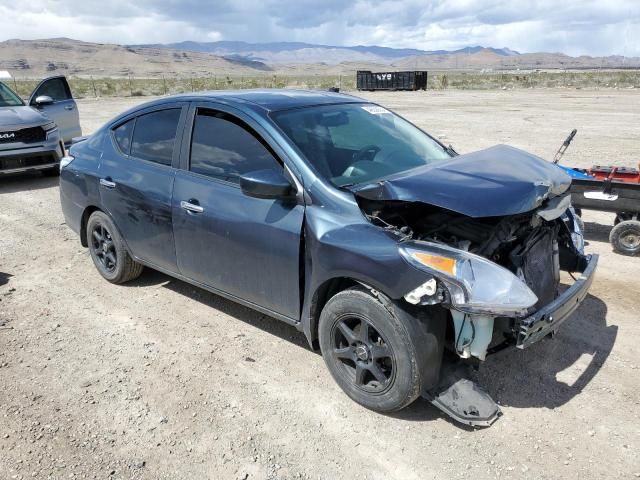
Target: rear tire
625,237
369,351
108,251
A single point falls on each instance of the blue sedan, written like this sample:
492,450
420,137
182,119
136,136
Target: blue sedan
402,261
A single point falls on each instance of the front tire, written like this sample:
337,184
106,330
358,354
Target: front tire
108,252
369,351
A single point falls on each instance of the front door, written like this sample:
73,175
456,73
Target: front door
243,246
63,110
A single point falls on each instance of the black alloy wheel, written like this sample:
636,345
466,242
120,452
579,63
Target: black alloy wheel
367,359
372,349
108,250
103,247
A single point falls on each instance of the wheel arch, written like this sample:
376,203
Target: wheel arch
85,219
321,295
83,223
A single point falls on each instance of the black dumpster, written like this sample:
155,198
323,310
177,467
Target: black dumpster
367,80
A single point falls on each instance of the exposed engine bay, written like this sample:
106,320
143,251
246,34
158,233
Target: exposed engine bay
534,246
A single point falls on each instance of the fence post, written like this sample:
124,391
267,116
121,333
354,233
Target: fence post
164,85
130,85
15,84
93,84
191,80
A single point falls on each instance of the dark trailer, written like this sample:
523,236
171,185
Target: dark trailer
367,80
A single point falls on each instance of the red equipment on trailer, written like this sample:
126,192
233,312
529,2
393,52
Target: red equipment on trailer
609,189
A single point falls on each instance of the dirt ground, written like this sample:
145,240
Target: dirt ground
159,380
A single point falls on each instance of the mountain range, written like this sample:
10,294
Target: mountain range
36,58
300,52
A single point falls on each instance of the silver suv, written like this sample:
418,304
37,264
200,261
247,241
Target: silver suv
33,135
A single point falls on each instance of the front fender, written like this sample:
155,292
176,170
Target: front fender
357,251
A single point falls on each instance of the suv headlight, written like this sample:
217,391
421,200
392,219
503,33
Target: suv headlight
50,129
475,284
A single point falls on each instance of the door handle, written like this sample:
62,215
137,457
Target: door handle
107,182
191,207
69,107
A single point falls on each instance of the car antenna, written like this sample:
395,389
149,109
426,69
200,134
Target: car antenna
564,146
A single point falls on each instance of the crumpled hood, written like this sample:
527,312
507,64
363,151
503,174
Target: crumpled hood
497,181
20,117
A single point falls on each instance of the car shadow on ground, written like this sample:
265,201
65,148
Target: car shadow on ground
516,378
254,318
553,371
27,181
4,278
547,374
597,232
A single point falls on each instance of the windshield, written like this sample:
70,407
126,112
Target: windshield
8,98
357,143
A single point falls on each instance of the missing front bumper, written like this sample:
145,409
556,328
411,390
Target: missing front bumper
546,320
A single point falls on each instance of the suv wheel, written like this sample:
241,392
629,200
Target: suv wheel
108,252
369,351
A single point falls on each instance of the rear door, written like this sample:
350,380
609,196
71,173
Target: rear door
136,173
246,247
63,110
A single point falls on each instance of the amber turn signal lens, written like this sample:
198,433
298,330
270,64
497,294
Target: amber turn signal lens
443,264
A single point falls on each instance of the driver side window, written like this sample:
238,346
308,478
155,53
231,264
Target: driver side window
222,146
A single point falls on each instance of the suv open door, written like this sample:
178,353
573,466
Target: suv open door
53,97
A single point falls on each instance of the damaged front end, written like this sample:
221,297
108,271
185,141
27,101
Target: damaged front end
498,276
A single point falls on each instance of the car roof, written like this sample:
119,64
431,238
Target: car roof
272,99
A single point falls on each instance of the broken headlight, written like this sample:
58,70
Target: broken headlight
475,284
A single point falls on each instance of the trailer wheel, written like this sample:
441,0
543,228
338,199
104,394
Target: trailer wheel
625,237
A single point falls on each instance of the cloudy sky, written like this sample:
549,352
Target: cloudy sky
598,27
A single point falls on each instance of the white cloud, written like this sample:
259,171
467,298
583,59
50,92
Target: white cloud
576,27
104,29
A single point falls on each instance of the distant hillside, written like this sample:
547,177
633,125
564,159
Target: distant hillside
300,52
488,59
74,57
37,58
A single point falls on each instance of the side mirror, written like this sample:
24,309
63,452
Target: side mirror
43,100
269,184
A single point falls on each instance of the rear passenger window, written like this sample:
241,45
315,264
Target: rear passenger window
122,134
224,147
155,136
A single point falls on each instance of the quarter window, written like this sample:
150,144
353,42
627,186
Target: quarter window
224,147
122,134
154,136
